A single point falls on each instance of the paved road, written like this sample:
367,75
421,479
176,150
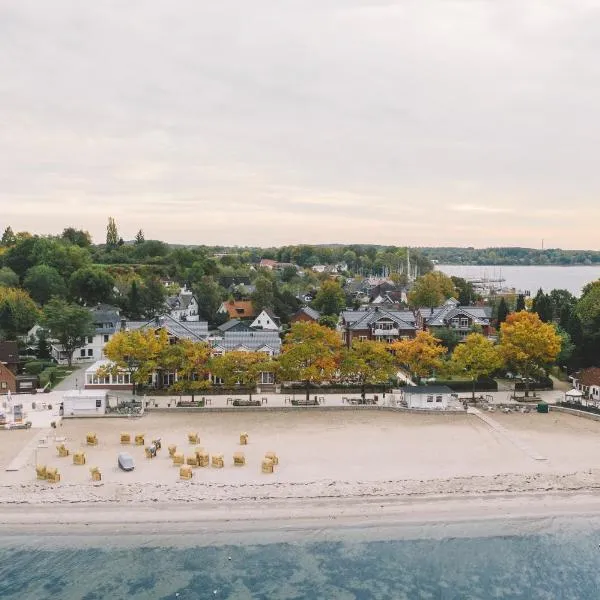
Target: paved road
74,380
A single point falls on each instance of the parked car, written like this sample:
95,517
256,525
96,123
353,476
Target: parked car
125,461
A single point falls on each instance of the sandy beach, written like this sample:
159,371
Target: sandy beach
333,465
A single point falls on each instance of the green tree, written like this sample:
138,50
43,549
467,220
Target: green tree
520,304
503,311
542,305
264,294
77,237
8,278
431,290
466,292
112,235
43,345
476,357
368,362
311,353
330,299
528,344
210,297
448,337
69,324
91,285
8,237
328,321
139,237
18,312
152,298
42,282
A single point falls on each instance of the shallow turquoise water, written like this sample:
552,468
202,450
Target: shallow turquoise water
546,566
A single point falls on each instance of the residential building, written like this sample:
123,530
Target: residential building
588,382
425,397
238,309
9,356
306,314
196,331
97,377
454,316
183,306
376,324
8,380
106,321
267,263
266,320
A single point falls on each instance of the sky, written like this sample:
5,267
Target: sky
274,122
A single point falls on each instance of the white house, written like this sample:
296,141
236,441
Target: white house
106,322
426,397
183,306
266,320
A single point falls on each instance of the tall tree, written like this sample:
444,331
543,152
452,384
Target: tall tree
476,357
239,368
311,353
139,237
503,311
112,235
421,356
528,344
264,294
190,360
520,304
330,299
8,237
139,352
542,305
69,324
431,290
18,312
209,296
448,337
42,282
368,362
152,298
43,345
466,292
91,285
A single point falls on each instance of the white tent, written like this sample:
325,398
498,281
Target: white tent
574,394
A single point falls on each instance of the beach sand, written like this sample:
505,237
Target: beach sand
332,464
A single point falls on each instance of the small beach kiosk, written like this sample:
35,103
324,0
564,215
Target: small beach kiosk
426,397
84,403
574,395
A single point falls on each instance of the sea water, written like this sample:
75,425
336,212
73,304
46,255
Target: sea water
557,565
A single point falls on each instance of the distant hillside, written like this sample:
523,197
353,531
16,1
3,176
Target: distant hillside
511,256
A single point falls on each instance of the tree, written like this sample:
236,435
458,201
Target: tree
264,294
69,324
190,360
77,237
328,321
420,355
239,368
528,344
311,353
139,352
8,237
139,237
477,357
520,304
152,296
368,362
466,292
502,311
588,305
448,337
42,282
43,345
18,312
210,297
112,235
542,305
91,285
8,278
330,299
431,290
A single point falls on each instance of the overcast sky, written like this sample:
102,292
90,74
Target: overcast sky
469,123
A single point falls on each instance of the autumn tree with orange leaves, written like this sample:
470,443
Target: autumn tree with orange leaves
421,356
528,344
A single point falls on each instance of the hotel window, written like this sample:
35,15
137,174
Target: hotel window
106,336
82,353
90,340
90,352
455,322
464,322
438,398
429,398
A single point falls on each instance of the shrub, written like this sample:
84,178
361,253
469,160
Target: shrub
35,367
466,385
48,375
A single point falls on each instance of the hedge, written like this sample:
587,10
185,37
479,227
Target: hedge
35,367
48,375
466,385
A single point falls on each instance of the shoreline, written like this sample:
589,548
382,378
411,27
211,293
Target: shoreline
46,526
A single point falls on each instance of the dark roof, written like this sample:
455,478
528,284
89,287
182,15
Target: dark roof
9,352
359,320
197,331
590,376
236,324
105,314
310,312
427,389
